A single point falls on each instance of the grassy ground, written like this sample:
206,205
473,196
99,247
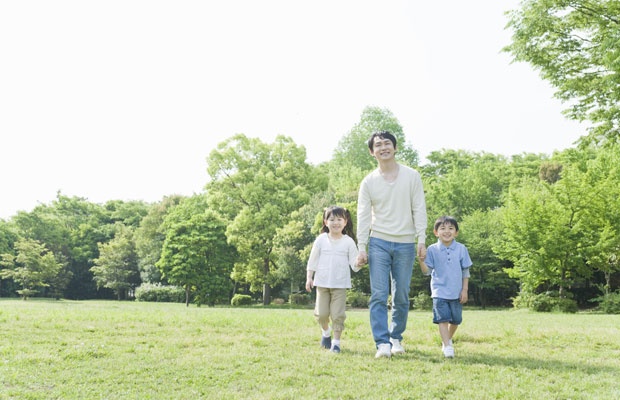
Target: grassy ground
126,350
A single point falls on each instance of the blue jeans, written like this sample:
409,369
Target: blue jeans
389,261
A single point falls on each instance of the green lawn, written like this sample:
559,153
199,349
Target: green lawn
127,350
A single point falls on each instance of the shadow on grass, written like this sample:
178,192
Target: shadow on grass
518,362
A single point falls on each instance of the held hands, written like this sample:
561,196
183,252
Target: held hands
362,258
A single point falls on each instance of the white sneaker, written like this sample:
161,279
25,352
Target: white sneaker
397,348
383,350
448,351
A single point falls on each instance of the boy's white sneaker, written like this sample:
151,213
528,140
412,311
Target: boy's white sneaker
397,348
383,350
448,351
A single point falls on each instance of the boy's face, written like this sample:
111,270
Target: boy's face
446,233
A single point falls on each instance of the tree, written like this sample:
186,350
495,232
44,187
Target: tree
116,267
352,150
575,44
32,268
195,254
149,238
490,284
256,186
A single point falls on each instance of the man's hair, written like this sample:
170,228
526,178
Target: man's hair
381,135
446,220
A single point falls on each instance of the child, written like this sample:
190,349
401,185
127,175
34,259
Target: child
333,252
447,262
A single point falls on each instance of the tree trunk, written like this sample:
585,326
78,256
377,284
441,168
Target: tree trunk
266,286
186,295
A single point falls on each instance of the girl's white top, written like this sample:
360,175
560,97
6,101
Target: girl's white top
331,259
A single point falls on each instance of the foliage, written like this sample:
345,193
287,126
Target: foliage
299,298
116,267
575,44
241,300
195,253
257,187
149,238
156,292
352,150
357,299
422,301
609,303
32,268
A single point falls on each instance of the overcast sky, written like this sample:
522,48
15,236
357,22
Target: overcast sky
124,99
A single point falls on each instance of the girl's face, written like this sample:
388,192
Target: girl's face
335,224
446,233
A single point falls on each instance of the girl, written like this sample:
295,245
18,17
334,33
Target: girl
333,252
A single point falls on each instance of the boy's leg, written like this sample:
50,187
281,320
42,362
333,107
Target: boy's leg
444,332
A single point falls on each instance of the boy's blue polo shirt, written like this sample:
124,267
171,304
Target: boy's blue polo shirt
448,265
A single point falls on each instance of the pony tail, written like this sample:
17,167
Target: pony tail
348,229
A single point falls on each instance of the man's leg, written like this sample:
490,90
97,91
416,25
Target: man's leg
379,263
402,268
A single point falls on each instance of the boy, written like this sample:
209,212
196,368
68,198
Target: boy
447,262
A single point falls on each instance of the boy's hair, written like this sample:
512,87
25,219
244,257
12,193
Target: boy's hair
342,213
381,135
446,219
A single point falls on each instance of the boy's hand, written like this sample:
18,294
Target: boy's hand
463,297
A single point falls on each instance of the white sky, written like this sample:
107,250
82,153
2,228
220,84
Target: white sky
124,99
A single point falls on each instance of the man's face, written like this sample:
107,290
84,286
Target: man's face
382,148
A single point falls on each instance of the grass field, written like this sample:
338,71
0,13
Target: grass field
128,350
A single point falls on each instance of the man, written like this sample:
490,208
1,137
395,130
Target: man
391,216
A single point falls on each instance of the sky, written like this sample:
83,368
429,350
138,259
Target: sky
125,99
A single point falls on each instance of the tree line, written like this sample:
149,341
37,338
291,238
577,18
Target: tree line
542,230
534,224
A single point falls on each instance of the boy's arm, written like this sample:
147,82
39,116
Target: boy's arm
463,296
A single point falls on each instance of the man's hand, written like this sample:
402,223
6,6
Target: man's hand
362,258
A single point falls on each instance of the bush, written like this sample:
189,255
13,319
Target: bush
543,303
422,302
156,292
357,299
566,305
299,298
241,300
609,303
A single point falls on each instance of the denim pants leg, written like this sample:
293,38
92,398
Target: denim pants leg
402,269
389,262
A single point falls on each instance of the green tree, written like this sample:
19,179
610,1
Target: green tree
489,283
195,254
575,44
352,150
149,238
32,268
116,268
257,186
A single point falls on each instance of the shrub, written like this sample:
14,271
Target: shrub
609,303
357,299
542,303
566,305
299,298
241,300
278,301
422,302
156,292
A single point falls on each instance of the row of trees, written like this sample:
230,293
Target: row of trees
533,223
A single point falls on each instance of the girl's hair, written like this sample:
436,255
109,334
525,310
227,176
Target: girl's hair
342,213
